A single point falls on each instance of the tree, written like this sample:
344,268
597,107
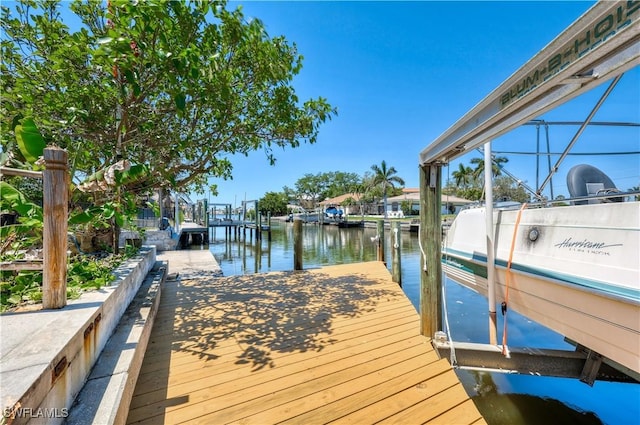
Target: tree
496,163
274,203
464,176
309,189
504,188
176,86
339,183
385,177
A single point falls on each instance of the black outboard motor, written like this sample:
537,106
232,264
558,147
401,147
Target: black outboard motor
586,180
164,223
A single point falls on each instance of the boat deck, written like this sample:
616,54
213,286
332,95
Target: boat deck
337,344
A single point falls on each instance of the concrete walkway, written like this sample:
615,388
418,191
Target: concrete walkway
191,263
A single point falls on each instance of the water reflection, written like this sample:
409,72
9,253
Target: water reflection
502,399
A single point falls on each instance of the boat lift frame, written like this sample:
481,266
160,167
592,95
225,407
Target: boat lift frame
578,60
599,46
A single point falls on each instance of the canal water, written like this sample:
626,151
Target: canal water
501,398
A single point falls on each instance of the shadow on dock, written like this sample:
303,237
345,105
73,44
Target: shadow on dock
304,346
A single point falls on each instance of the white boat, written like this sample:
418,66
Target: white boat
572,268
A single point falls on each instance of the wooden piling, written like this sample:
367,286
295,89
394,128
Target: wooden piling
297,244
55,188
430,237
258,223
380,233
269,226
396,252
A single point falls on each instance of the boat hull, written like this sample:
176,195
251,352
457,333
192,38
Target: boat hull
574,269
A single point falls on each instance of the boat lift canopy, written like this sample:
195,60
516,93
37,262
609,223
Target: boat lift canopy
602,44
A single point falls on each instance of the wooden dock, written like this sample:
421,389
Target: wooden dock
338,344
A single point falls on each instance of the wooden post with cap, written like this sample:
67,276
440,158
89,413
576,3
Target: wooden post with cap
380,241
297,243
430,237
55,187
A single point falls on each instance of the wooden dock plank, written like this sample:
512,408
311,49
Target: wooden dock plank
196,370
233,408
430,407
236,383
465,413
358,398
339,344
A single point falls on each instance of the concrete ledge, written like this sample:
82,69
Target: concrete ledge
106,396
192,263
46,355
163,240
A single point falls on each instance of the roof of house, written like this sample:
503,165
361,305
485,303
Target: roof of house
415,196
338,200
408,196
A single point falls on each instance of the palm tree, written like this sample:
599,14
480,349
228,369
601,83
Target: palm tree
385,177
495,167
478,172
463,176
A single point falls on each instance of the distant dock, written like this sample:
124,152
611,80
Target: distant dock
198,234
339,343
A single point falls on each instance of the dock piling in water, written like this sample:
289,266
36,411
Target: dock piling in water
380,234
297,244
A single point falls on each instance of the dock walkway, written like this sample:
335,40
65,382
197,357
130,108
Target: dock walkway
336,344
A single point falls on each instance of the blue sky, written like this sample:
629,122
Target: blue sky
401,73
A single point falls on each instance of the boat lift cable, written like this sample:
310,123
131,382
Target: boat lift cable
424,256
508,277
595,123
568,154
586,122
546,129
452,357
513,177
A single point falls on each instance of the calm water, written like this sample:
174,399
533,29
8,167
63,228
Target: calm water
502,399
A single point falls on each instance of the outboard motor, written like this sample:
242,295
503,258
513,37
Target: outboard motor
586,180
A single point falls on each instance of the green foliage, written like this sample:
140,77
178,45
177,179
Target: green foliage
468,182
339,183
320,186
463,176
30,220
176,86
407,208
83,273
385,178
30,141
100,216
309,189
251,215
505,188
90,273
274,203
23,287
496,163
